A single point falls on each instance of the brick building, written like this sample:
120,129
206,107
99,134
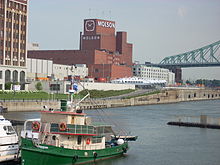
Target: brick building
106,52
13,37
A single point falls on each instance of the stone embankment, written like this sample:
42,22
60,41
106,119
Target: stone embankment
165,96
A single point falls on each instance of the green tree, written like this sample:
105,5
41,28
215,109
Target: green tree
8,85
188,82
39,86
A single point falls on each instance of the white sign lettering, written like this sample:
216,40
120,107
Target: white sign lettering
106,24
90,37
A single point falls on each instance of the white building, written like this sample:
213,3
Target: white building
64,86
153,73
13,38
33,46
61,71
42,69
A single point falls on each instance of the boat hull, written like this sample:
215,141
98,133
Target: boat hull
45,154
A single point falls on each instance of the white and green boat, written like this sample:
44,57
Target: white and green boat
68,136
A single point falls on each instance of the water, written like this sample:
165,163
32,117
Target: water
158,143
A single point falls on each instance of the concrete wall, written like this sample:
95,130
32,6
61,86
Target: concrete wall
20,106
165,96
106,86
87,85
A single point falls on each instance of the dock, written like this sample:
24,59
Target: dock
201,122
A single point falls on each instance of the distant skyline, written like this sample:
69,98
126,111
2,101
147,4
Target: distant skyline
157,28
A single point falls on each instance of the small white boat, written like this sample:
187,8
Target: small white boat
8,141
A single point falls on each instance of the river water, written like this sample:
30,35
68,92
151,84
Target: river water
158,143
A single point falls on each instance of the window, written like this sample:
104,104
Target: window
0,74
96,139
55,87
9,130
79,140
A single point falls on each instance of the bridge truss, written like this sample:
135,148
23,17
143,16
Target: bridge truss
203,57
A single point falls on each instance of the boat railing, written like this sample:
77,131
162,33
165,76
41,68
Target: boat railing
75,129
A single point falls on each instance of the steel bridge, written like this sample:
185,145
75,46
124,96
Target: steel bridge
206,56
203,57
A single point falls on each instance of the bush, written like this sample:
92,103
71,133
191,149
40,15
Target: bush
8,85
39,86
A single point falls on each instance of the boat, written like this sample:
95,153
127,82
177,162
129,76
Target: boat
68,136
8,141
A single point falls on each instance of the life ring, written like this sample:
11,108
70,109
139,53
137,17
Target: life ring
62,126
88,141
36,126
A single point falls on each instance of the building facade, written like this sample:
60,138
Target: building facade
102,49
153,73
13,41
38,69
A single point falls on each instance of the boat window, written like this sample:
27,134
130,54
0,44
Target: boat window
9,130
96,140
79,140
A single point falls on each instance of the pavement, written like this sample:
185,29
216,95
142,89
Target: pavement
135,93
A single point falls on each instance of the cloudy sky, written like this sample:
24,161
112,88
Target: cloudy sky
157,28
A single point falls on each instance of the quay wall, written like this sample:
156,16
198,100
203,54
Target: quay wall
165,96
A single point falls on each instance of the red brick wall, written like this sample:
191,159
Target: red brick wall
100,71
91,42
108,71
108,42
67,57
124,48
119,71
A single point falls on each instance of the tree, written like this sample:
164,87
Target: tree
188,82
8,85
39,86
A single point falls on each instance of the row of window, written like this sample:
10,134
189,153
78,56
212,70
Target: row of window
156,77
158,73
152,70
15,45
15,26
17,6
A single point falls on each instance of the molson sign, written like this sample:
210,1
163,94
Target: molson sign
93,26
106,24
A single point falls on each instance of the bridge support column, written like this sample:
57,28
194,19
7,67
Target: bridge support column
178,74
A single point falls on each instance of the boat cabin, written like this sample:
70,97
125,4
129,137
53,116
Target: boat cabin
69,130
8,140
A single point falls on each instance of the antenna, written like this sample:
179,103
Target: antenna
90,12
110,14
103,14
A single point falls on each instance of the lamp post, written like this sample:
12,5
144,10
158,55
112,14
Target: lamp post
103,72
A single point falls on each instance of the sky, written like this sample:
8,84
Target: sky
157,28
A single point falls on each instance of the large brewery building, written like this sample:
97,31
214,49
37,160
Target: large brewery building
105,51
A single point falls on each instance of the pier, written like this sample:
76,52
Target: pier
165,96
202,122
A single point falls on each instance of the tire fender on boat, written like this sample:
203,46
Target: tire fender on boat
75,158
95,155
124,149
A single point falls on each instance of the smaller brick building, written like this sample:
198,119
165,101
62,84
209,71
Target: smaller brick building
106,53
